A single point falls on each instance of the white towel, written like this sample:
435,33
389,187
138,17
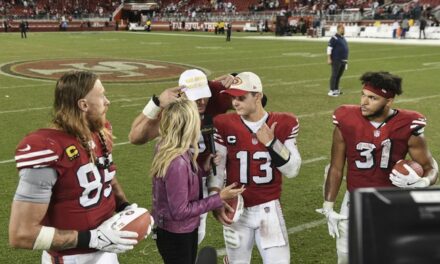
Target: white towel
270,226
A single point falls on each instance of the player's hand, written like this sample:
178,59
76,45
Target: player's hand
226,80
329,61
169,95
412,180
107,239
333,218
265,134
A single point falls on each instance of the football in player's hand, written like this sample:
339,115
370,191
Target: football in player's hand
237,204
137,220
414,165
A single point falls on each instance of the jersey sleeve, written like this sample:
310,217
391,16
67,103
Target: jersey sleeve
222,102
36,151
338,116
219,125
418,124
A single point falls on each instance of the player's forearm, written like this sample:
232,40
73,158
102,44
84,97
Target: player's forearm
143,130
64,239
121,199
332,184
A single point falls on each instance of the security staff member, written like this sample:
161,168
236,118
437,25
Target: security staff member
337,55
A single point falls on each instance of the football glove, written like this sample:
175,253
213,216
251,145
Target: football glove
333,218
411,180
107,239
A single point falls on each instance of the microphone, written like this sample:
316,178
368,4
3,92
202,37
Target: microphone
208,130
207,255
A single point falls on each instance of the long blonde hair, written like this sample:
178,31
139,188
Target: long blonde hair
179,130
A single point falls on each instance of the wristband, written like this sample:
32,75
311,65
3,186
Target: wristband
151,110
83,239
44,238
328,205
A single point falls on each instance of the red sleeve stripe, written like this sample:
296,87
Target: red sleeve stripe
34,154
37,163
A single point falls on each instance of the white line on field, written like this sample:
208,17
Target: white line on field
24,110
23,86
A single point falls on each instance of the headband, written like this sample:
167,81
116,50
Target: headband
380,91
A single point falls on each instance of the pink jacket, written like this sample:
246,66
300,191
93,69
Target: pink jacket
176,197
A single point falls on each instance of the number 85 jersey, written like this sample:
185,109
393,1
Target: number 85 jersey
248,162
372,152
82,196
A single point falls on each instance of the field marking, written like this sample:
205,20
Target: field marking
345,77
321,63
24,110
23,86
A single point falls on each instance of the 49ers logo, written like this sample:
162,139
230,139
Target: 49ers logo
109,70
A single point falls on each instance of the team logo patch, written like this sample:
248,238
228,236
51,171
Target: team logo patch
109,70
237,81
72,152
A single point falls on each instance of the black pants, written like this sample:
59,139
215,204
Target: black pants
338,68
177,248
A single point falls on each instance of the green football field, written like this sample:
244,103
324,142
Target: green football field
295,79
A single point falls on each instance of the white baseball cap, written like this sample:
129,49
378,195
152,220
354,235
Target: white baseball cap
244,83
195,84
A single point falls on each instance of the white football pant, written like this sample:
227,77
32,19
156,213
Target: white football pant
342,241
252,228
98,257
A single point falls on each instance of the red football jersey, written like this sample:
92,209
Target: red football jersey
372,152
82,196
248,161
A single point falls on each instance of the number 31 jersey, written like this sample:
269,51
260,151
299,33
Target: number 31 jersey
248,161
372,152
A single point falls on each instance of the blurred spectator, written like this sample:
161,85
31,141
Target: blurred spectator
422,26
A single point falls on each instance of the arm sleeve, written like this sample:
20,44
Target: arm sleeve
291,168
35,185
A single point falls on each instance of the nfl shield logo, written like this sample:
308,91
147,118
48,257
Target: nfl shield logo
376,133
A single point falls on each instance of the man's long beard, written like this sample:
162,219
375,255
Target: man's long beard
96,123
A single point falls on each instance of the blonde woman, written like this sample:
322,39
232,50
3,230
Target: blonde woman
177,184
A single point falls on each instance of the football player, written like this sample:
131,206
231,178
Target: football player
255,148
372,137
67,187
210,102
